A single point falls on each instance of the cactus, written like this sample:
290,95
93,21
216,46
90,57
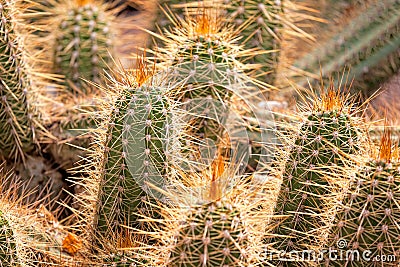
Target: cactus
202,55
213,227
368,46
129,149
213,234
315,170
367,220
84,42
18,118
260,23
121,194
264,22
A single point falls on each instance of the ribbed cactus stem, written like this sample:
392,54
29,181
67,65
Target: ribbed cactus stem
133,156
84,42
264,22
204,53
17,117
315,170
368,219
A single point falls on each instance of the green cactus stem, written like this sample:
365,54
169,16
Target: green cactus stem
315,170
131,155
367,221
84,43
17,115
264,22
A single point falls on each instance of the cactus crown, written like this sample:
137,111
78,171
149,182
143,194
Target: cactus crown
331,99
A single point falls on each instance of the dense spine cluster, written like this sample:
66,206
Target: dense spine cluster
7,243
28,237
84,42
17,116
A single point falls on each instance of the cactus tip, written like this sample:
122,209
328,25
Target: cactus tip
332,99
385,149
206,23
83,2
143,71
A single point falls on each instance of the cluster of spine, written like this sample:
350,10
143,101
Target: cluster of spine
376,132
27,240
367,221
315,171
83,43
7,243
17,115
369,46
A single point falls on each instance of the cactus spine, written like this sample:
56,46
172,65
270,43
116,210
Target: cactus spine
368,219
83,42
17,115
315,170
